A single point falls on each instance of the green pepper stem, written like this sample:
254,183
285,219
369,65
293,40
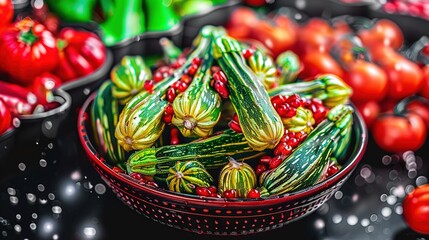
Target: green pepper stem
27,36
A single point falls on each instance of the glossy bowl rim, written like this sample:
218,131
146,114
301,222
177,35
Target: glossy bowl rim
60,96
97,159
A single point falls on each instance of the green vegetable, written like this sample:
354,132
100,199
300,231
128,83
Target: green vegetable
307,163
212,152
239,176
104,118
129,77
289,67
328,88
259,121
186,176
264,68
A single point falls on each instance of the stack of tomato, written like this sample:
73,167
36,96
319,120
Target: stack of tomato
389,89
34,60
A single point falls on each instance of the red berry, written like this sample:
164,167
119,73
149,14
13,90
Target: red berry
275,162
265,159
253,193
171,94
247,53
221,88
169,109
203,191
149,84
186,78
230,193
182,86
157,76
192,69
332,170
136,175
197,61
220,76
235,126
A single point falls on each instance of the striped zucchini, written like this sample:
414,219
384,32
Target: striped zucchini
129,77
306,164
328,88
186,176
289,65
104,118
264,68
140,122
212,152
197,110
259,121
239,176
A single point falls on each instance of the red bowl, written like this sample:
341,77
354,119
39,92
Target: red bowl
218,216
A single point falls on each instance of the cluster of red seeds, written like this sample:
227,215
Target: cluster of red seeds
142,179
219,82
284,148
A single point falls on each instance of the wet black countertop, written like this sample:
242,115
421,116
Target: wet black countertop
49,190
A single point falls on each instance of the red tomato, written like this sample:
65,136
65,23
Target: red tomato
422,109
241,22
276,39
319,63
27,50
369,112
416,209
383,32
316,35
368,81
398,134
6,12
5,117
425,86
404,76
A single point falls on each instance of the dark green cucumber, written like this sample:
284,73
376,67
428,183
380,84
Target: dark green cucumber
306,164
259,121
104,117
212,152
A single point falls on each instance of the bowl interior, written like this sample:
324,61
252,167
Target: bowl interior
355,153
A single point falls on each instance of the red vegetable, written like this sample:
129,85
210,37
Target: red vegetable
19,99
400,130
416,209
5,117
6,13
369,112
43,87
383,32
81,53
28,49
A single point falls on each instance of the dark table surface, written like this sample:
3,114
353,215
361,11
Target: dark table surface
49,190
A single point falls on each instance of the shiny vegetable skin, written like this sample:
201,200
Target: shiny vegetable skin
212,152
198,109
416,209
104,117
238,176
259,121
19,99
81,53
306,164
5,117
128,77
186,176
328,88
140,122
28,50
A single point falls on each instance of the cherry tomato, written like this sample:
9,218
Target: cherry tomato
319,63
310,40
399,133
416,209
425,85
404,76
368,81
383,32
369,112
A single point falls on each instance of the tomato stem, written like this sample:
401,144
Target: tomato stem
401,107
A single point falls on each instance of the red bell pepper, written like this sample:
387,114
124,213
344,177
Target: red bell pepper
5,117
43,87
81,53
28,49
6,13
19,99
